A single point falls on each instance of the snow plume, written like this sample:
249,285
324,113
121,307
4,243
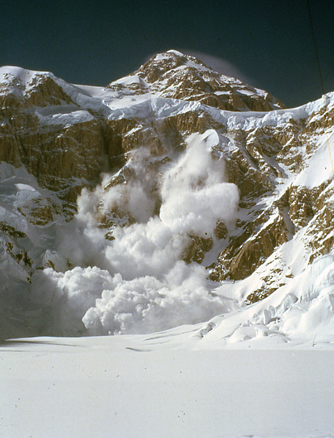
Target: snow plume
138,282
194,193
220,65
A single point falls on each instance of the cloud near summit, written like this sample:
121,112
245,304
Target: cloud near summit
220,65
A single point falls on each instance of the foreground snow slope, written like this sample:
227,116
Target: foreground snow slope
136,386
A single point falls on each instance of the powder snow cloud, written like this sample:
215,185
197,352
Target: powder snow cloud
138,282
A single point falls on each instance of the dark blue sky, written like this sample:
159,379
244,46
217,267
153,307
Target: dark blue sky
97,41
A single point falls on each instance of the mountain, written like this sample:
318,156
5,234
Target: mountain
174,195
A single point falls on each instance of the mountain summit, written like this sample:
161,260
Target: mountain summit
171,196
178,76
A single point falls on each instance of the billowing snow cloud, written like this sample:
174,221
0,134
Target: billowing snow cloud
194,193
138,282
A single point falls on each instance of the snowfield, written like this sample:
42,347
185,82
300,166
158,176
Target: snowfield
169,384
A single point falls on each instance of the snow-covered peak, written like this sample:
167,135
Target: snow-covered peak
25,79
162,62
175,75
35,88
24,76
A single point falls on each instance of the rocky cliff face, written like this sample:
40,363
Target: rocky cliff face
136,148
44,130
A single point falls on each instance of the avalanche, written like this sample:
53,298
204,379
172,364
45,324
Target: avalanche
141,247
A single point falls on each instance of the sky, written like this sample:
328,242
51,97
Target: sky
268,44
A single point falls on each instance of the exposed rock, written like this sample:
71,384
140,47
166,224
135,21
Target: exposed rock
63,157
197,249
11,231
221,230
300,203
38,211
43,91
320,230
246,252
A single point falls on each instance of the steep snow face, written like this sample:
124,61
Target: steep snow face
144,206
320,166
300,312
